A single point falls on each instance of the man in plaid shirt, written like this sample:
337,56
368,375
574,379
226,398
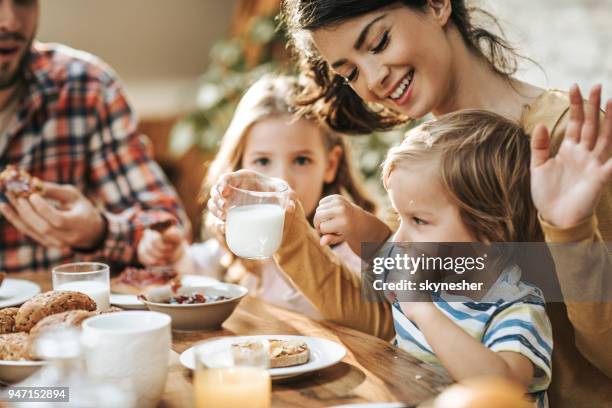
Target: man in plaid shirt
65,119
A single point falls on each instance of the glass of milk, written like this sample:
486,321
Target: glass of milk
255,219
90,278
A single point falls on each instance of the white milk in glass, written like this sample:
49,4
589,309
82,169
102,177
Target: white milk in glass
98,291
255,231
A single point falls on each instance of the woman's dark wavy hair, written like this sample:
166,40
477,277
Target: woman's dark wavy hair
326,95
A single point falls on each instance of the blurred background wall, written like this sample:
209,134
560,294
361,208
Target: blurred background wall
570,39
158,47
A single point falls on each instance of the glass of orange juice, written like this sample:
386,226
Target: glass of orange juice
229,376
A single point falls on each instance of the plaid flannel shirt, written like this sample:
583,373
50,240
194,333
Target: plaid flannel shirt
73,125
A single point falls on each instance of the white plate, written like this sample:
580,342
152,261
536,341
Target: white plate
16,371
323,353
126,301
132,302
14,292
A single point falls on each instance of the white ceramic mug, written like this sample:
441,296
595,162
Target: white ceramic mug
129,350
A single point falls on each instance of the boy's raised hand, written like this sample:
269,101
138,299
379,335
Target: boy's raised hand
566,188
337,220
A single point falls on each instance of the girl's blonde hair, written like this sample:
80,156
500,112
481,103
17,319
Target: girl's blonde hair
268,97
484,164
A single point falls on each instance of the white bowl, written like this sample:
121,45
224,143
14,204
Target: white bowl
16,371
202,316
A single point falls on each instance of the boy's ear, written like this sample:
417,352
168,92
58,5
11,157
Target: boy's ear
333,162
441,10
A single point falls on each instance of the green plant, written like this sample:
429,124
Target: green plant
235,63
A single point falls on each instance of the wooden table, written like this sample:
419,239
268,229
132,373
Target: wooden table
372,371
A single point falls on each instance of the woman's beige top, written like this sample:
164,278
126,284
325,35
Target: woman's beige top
582,360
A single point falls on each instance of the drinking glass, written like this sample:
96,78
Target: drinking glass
227,377
255,218
90,278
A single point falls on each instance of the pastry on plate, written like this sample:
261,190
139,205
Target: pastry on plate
287,353
111,309
135,281
19,182
71,318
49,303
281,353
64,319
7,319
15,346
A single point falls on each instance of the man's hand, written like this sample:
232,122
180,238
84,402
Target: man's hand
337,220
74,222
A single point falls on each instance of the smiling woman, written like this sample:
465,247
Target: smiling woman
375,64
409,57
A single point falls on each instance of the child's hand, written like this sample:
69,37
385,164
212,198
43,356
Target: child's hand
337,220
161,248
420,309
566,188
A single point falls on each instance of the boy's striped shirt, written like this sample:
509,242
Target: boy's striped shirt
510,317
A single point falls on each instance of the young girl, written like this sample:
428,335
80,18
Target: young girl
265,137
465,178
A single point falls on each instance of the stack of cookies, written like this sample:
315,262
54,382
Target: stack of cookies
20,327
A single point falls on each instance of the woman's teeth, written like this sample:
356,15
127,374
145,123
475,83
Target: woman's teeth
399,91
